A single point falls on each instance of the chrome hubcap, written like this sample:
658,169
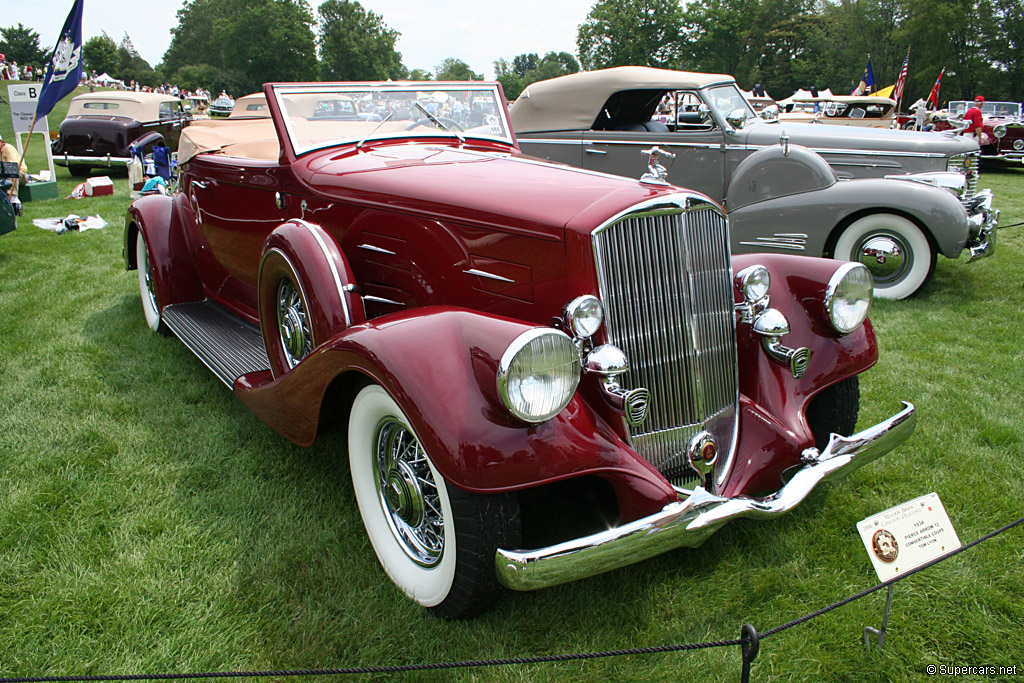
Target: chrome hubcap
293,324
408,494
887,256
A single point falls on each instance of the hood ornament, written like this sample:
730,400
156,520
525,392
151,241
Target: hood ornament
656,173
784,141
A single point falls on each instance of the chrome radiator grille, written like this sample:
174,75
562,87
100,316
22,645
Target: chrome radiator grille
968,161
665,278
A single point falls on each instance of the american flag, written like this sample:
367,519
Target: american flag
898,91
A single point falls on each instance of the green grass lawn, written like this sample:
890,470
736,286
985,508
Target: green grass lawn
150,523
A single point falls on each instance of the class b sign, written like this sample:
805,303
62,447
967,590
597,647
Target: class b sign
23,99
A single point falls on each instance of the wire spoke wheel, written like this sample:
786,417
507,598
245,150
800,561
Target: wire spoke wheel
293,323
408,493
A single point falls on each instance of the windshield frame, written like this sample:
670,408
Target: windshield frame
500,130
740,102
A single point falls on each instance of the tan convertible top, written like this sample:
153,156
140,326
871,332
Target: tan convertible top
252,138
573,102
141,106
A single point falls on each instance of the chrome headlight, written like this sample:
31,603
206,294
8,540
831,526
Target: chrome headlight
999,131
584,315
848,296
753,282
1018,144
538,374
951,181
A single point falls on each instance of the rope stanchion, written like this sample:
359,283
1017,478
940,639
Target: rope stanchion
749,642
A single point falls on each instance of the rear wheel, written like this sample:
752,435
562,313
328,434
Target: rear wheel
893,248
834,410
147,287
434,540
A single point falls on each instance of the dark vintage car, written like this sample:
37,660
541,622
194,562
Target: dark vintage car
602,121
101,127
508,341
1002,128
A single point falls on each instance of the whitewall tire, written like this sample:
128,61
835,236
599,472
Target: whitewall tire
147,286
893,248
436,542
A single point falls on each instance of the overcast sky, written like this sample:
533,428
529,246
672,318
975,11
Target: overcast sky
475,31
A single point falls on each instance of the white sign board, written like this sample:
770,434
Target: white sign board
23,98
907,536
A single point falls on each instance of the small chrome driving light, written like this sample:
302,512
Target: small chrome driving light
584,315
753,283
999,131
848,296
538,374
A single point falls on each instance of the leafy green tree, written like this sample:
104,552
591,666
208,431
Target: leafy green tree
623,32
522,64
21,45
452,69
356,44
100,54
1003,47
944,33
420,75
252,41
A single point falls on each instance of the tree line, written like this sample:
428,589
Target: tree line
237,45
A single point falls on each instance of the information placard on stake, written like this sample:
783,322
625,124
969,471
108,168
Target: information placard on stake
23,98
907,536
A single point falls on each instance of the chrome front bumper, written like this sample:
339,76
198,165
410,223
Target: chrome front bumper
689,522
983,220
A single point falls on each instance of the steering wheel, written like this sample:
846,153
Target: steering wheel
451,125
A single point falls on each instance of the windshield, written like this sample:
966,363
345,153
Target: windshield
727,99
1007,109
323,115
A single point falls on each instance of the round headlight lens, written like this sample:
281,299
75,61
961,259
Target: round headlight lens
848,296
999,131
538,374
584,315
1018,144
753,282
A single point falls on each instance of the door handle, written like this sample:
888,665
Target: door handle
591,150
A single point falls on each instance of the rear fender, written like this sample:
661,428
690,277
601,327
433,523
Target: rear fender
773,402
158,218
439,364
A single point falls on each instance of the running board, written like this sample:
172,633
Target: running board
227,345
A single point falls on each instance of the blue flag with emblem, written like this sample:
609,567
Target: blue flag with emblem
64,70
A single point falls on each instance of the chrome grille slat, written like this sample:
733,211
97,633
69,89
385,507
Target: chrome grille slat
664,275
957,163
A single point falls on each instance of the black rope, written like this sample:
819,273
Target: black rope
1012,225
749,642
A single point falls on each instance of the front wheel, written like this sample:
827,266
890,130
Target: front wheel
834,411
893,248
436,542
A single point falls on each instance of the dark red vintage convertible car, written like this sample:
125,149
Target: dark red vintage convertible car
509,341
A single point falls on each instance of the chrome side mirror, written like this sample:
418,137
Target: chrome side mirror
737,118
770,113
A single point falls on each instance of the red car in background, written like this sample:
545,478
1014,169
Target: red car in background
1003,128
506,339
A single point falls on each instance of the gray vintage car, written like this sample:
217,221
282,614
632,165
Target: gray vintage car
891,200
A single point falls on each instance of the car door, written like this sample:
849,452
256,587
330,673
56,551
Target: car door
696,139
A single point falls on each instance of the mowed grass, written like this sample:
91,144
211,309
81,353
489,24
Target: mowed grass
150,523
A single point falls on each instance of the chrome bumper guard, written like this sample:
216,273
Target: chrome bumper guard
106,160
983,220
690,521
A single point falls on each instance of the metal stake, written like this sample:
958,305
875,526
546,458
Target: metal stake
868,631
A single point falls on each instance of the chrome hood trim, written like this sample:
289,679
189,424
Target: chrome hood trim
689,522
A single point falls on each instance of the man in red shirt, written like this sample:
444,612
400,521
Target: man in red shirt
973,118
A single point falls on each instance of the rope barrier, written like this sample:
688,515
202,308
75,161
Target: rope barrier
749,642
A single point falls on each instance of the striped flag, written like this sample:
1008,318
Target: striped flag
898,92
933,97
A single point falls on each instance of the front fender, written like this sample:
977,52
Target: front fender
807,223
773,402
439,364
